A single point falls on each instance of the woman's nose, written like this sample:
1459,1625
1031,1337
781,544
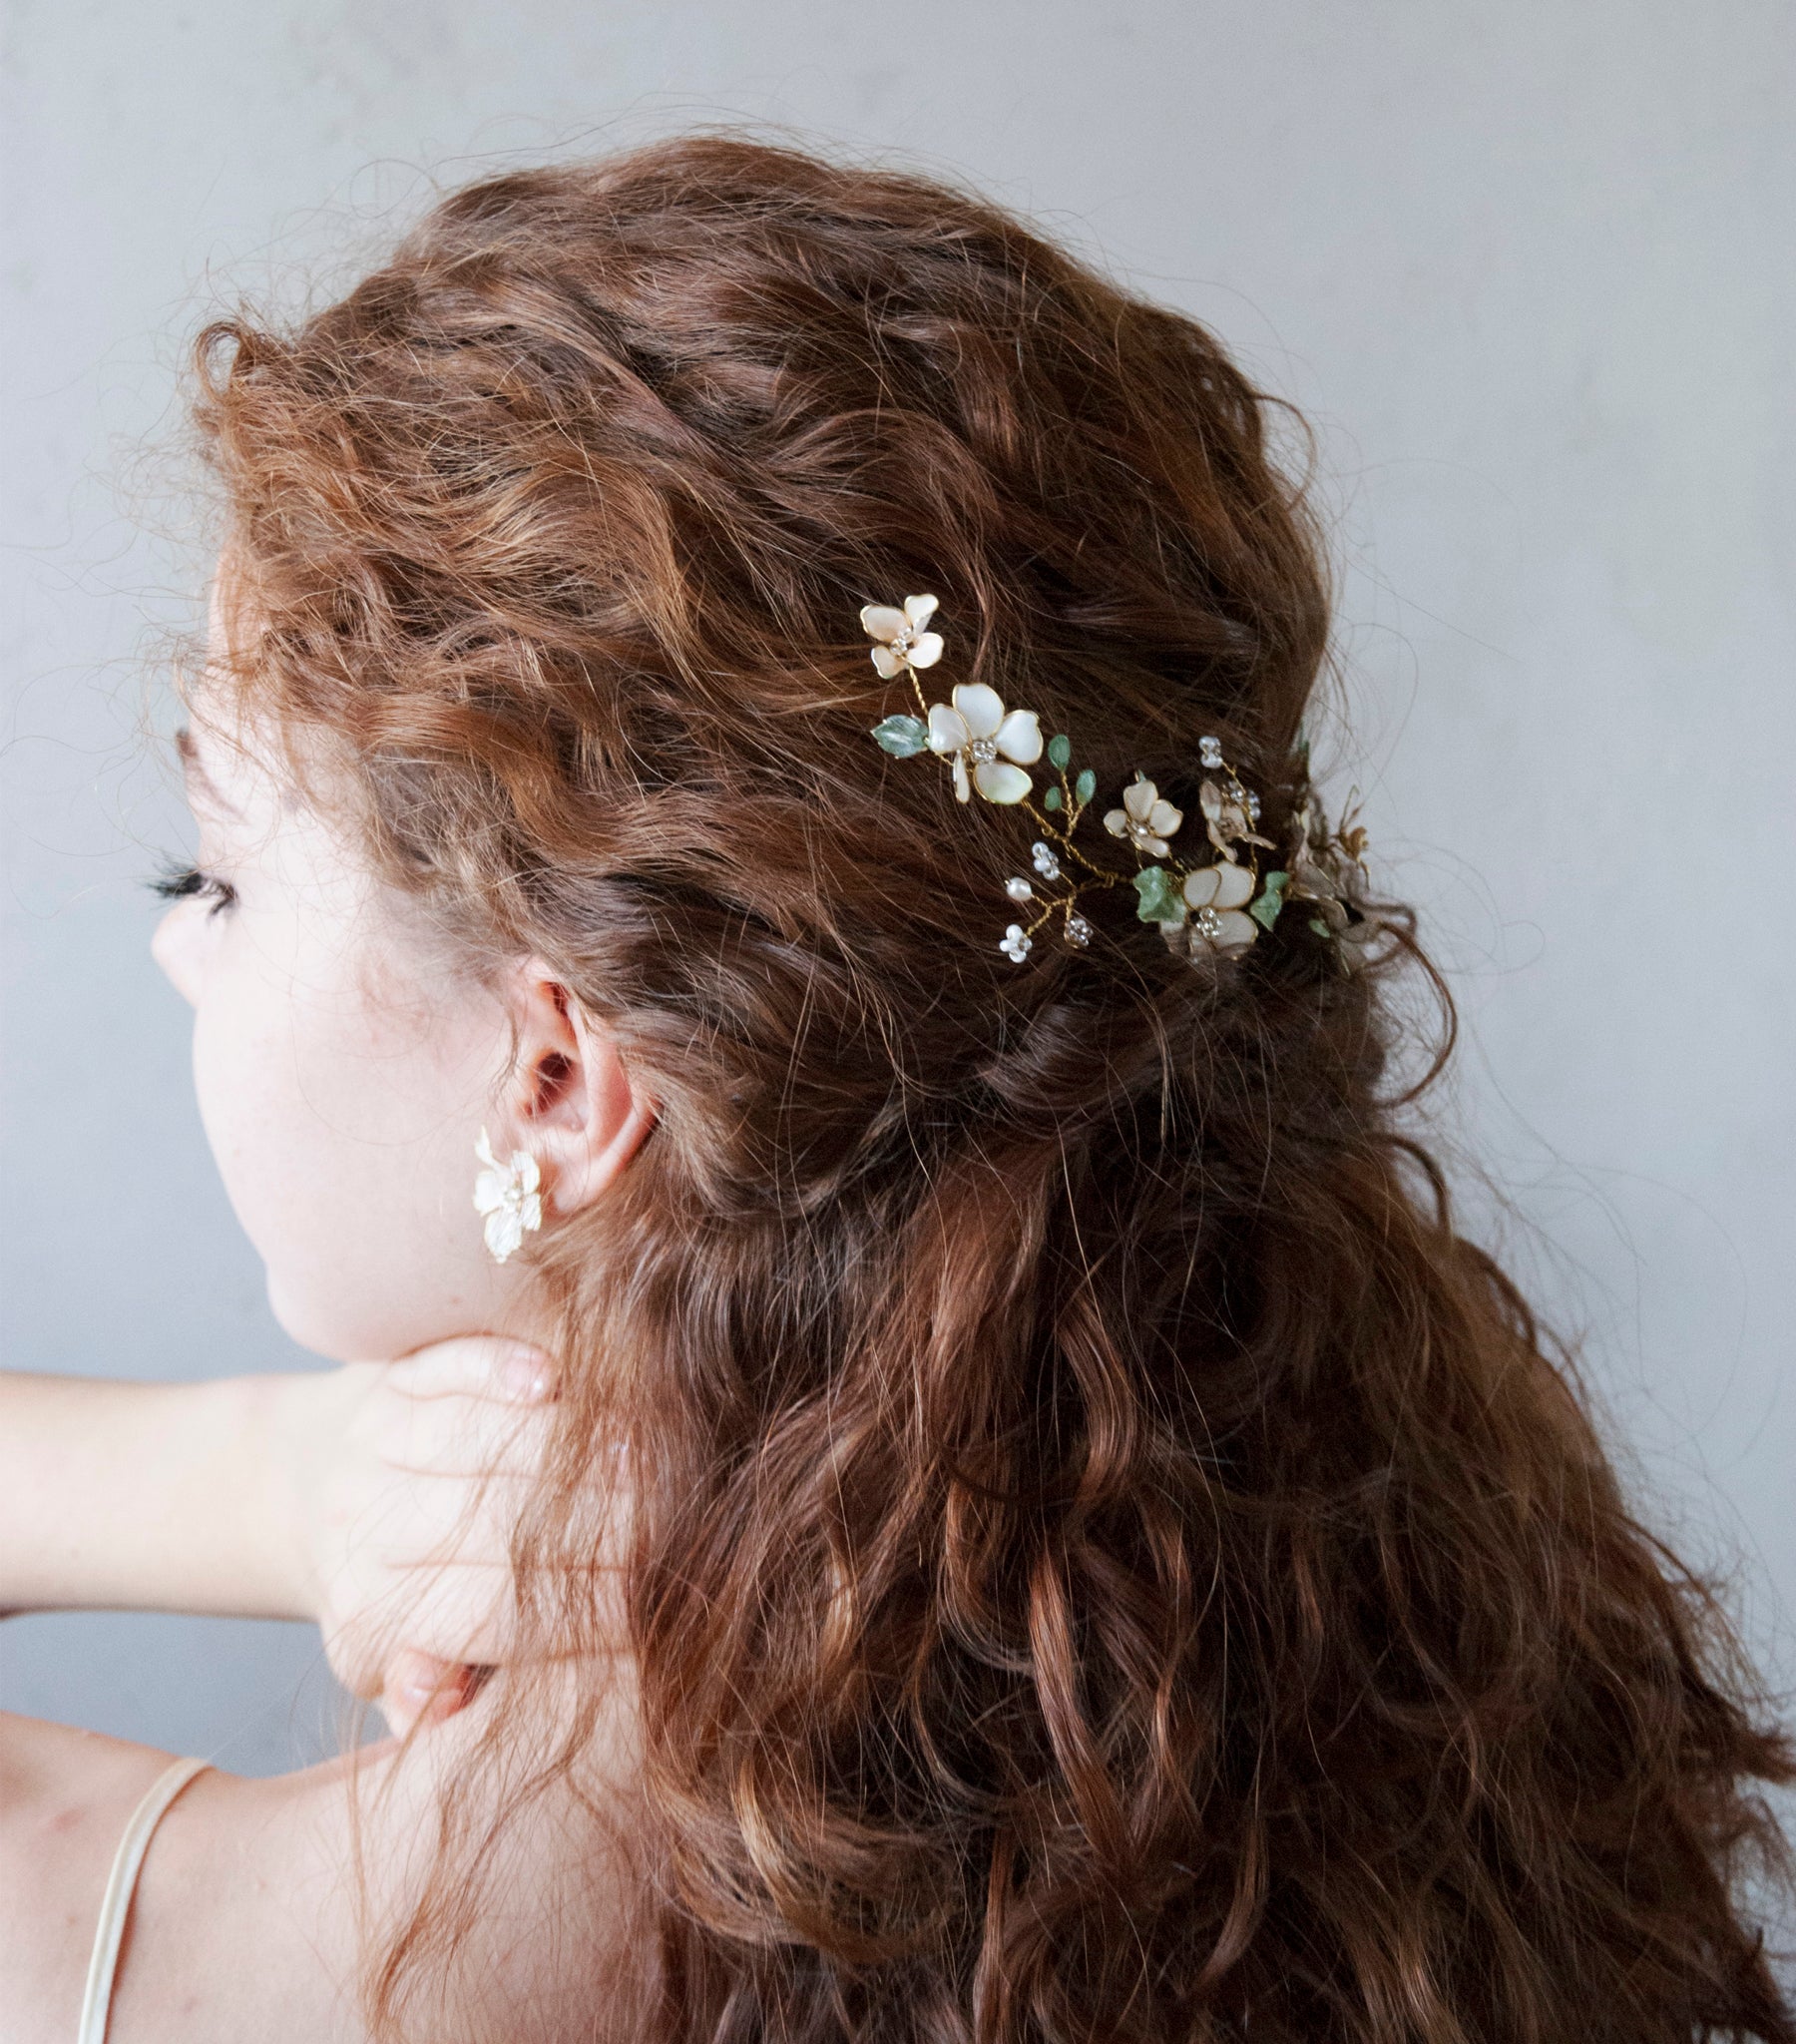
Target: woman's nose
171,949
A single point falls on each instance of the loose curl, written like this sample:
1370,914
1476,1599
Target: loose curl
1108,1560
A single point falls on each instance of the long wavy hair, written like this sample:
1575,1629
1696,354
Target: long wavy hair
1108,1559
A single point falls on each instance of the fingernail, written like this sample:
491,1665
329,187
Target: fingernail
526,1374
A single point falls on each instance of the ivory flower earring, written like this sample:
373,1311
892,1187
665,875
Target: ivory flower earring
508,1196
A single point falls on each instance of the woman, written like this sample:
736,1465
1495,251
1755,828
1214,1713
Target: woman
1044,1529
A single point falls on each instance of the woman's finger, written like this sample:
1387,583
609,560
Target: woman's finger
420,1689
496,1366
461,1614
464,1436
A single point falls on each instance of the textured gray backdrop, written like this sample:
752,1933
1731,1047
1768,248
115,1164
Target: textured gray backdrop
1526,266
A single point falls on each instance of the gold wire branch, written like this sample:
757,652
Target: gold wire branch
1216,908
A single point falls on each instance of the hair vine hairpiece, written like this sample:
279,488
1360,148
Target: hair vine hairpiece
1216,909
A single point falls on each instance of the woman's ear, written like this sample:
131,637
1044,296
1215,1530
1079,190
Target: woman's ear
568,1094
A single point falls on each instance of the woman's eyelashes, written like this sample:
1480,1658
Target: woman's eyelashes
180,883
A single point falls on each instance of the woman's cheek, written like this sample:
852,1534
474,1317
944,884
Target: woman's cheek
243,1062
269,1130
339,1138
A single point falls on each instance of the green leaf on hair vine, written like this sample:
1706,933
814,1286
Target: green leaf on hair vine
903,737
1265,911
1158,898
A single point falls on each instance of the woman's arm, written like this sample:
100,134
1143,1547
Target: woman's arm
166,1497
376,1499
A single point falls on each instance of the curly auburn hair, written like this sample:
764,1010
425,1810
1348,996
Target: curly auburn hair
1108,1560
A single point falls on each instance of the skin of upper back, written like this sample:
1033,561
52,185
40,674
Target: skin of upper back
245,1922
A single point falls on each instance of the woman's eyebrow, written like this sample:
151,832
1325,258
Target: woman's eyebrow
199,780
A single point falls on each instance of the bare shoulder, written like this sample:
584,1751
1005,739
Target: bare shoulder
256,1900
65,1796
234,1916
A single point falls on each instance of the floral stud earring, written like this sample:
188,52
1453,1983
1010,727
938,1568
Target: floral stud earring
510,1195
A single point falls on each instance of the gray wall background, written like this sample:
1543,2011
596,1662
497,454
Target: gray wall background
1528,269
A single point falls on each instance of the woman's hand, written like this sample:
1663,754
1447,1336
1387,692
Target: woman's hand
405,1481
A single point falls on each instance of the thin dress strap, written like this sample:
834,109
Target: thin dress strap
95,2003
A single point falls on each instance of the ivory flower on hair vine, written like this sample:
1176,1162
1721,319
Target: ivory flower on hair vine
1209,902
1145,819
904,644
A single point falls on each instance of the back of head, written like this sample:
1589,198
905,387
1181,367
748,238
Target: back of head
1108,1559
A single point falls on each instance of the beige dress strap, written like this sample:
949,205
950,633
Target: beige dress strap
95,2003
